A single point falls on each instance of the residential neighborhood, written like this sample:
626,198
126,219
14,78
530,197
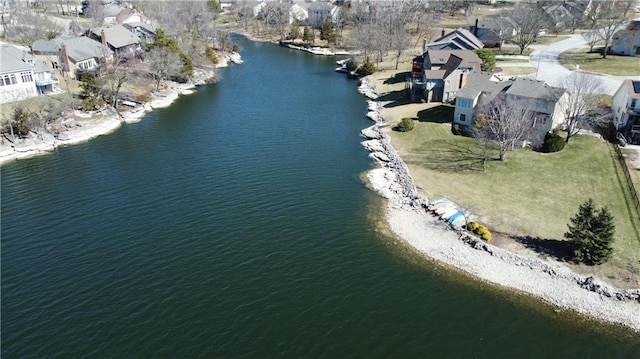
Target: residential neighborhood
287,178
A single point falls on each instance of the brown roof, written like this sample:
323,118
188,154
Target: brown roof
435,74
467,58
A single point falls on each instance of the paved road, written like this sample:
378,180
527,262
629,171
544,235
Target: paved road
550,70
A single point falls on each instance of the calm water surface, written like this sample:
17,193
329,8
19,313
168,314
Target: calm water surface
234,224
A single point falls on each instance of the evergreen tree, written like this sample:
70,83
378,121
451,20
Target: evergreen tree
327,33
488,59
591,234
308,36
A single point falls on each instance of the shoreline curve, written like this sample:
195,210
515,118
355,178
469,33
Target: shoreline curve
407,218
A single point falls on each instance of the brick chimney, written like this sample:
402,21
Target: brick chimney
443,32
103,37
424,45
65,62
475,29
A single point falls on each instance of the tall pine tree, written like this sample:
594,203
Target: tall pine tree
591,234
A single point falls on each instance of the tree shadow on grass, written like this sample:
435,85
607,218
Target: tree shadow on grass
560,250
448,157
397,78
442,113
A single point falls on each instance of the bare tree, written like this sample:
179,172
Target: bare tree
26,27
505,121
95,11
580,102
163,64
592,38
529,20
400,42
610,16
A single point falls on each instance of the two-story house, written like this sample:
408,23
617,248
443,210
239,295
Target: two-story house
627,41
21,76
459,39
626,109
73,55
445,72
482,88
319,12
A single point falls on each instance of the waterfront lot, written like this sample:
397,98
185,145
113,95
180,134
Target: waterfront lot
529,195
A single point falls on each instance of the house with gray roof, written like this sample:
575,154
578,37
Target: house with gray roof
459,39
22,76
73,55
118,38
494,31
482,88
445,72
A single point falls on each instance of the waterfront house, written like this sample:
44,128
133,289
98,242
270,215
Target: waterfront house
144,30
626,109
445,71
319,12
22,76
73,55
459,39
483,87
118,38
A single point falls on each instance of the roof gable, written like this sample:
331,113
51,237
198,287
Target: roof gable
12,59
117,36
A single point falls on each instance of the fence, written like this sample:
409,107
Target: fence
627,175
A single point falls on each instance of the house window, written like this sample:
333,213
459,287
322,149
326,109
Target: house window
26,77
448,82
462,117
13,79
463,103
634,102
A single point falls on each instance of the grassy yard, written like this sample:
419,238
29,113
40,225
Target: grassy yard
529,195
593,62
511,50
546,40
526,69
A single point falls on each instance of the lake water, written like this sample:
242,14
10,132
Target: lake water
234,224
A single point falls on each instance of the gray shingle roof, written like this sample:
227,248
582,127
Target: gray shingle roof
78,48
117,36
462,38
479,82
12,59
535,89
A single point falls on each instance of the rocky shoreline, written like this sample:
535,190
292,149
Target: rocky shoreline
81,126
407,217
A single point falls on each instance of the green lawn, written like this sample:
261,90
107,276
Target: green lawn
511,50
546,40
593,62
531,193
520,70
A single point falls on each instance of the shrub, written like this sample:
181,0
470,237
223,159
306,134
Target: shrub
212,55
236,48
484,233
366,69
405,125
145,97
456,130
352,65
472,226
552,143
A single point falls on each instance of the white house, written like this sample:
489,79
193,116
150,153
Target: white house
319,12
627,41
626,109
21,76
482,87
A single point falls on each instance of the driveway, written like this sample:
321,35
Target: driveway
550,70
